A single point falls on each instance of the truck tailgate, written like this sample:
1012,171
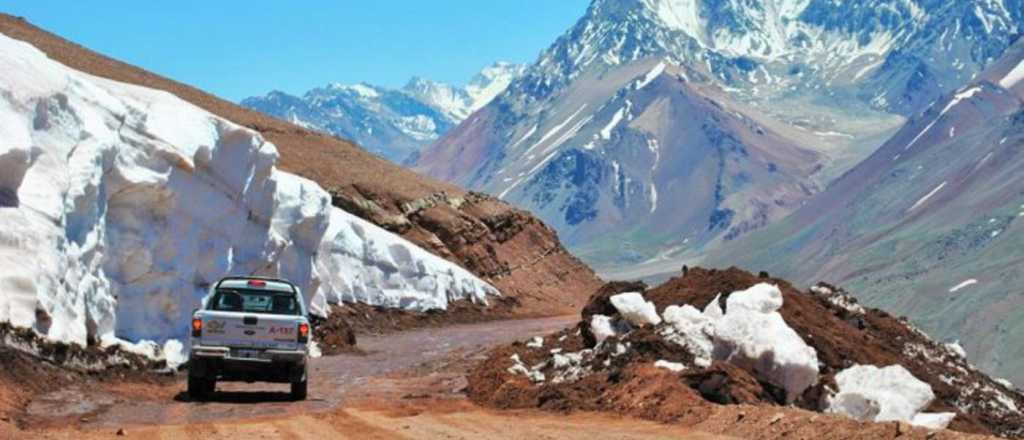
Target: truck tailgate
231,329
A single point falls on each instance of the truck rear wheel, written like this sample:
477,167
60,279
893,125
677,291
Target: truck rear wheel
200,389
299,390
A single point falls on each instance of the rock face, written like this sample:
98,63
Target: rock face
929,225
852,350
705,120
507,247
394,124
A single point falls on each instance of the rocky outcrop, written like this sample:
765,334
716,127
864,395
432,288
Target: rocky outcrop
566,371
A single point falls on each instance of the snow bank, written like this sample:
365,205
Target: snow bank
361,262
869,393
636,310
120,205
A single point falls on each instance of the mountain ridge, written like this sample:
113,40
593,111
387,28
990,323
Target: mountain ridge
392,123
835,79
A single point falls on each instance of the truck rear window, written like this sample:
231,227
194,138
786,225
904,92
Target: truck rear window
255,301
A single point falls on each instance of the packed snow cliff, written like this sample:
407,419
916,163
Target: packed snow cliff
730,337
121,205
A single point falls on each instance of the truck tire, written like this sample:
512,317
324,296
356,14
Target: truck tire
299,390
200,389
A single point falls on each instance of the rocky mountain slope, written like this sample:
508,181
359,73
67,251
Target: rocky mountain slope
750,108
675,352
929,225
394,124
506,247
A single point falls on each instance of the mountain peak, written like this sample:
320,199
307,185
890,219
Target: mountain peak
394,123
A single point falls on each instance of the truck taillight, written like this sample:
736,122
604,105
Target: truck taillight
303,332
197,327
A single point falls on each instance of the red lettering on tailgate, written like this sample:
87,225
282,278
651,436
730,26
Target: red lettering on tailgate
282,330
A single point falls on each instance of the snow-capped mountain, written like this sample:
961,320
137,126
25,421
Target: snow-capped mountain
394,124
120,205
931,225
457,103
663,127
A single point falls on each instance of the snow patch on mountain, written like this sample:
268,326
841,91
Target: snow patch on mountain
1015,76
927,197
120,206
490,82
963,285
651,76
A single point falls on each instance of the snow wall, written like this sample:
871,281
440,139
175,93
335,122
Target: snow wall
121,205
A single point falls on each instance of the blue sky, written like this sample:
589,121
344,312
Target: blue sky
235,49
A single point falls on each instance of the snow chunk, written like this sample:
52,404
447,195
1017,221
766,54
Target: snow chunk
762,298
174,354
753,335
714,309
536,342
314,350
750,333
636,310
838,299
933,420
674,367
869,393
601,327
1004,382
692,330
957,349
518,367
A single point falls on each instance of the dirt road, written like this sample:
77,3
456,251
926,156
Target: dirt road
408,385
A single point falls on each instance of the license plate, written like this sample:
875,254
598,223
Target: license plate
247,354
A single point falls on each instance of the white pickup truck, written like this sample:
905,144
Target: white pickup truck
249,329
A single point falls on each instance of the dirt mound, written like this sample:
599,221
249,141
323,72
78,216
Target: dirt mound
31,366
570,371
508,247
